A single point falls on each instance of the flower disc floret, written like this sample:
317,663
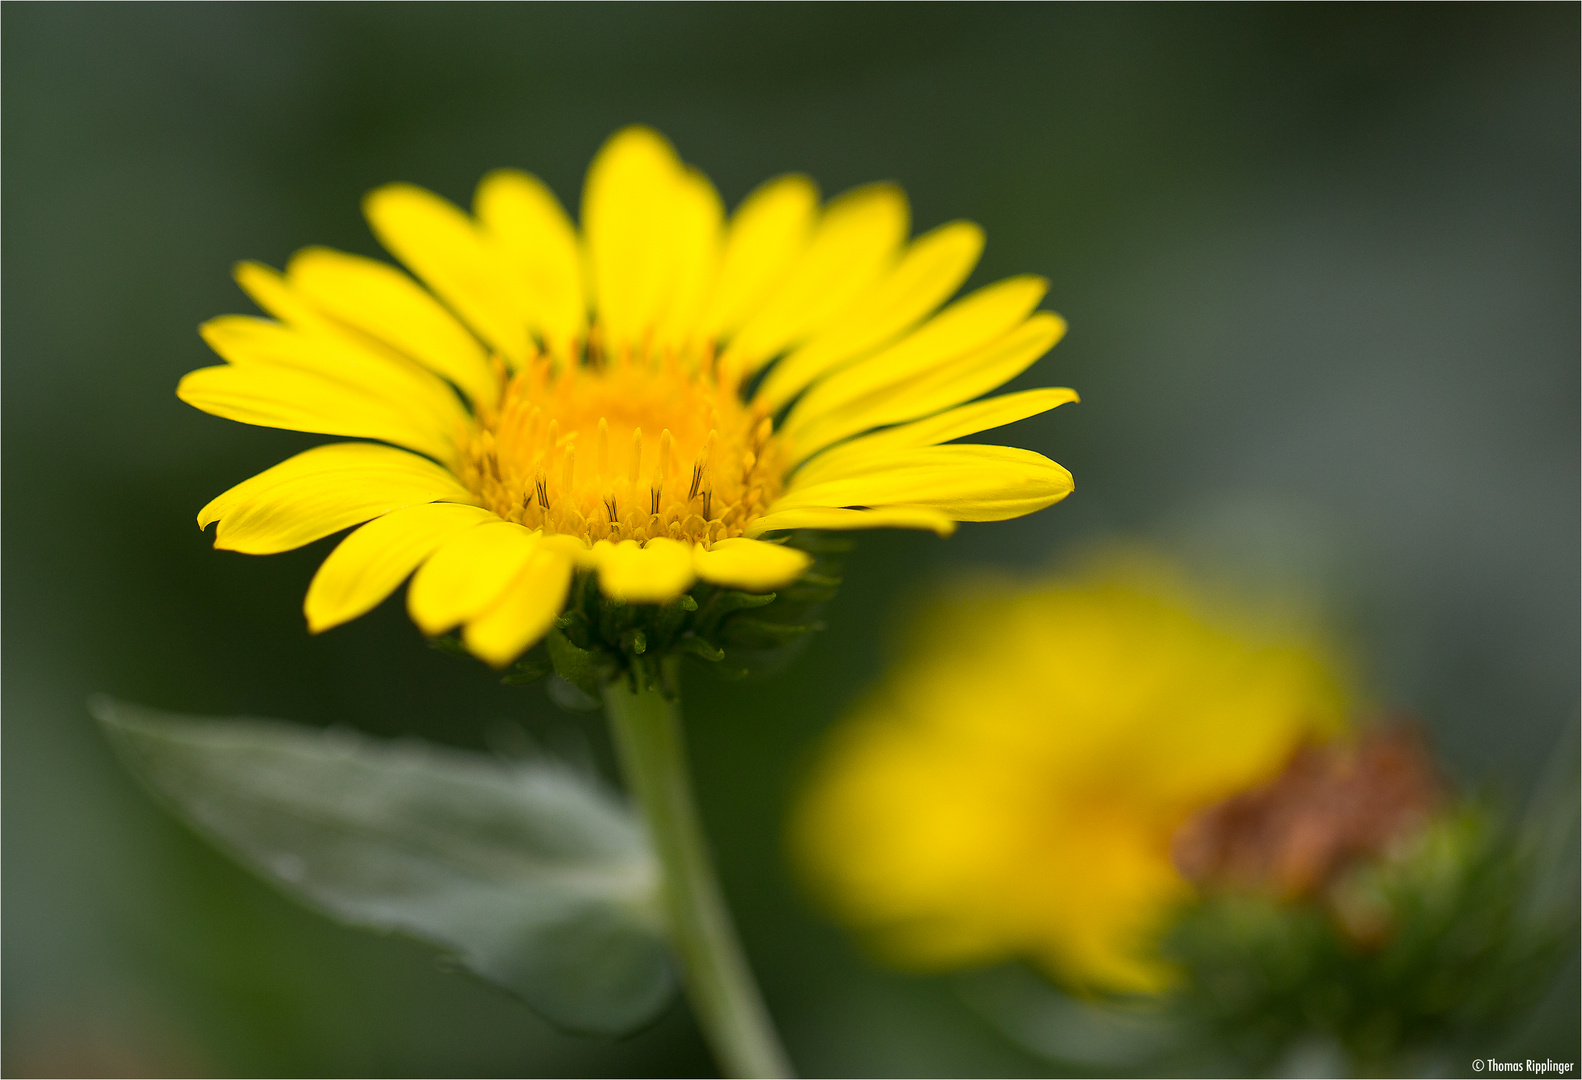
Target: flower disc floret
625,449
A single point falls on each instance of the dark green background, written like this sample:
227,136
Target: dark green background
1321,268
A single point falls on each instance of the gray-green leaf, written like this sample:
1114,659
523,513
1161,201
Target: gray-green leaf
534,876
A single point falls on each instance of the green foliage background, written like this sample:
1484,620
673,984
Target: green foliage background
1321,268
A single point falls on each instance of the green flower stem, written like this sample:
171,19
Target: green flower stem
729,1009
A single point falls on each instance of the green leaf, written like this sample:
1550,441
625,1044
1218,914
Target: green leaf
531,874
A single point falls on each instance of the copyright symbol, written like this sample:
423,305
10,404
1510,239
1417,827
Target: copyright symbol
1477,1065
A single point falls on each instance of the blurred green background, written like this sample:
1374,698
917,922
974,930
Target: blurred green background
1321,268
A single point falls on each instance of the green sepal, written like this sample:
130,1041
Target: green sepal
696,646
1462,953
569,697
739,601
579,667
449,643
821,543
763,633
826,581
596,639
811,589
532,667
1478,919
719,605
671,618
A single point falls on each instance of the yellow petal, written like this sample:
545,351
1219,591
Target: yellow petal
653,236
335,346
382,302
367,566
910,397
322,491
933,267
300,401
468,574
575,548
971,323
524,612
750,565
825,517
856,241
442,246
692,233
855,455
537,243
330,382
618,205
370,368
271,291
769,230
967,482
655,573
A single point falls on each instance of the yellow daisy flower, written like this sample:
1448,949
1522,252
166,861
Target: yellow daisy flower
646,400
1014,787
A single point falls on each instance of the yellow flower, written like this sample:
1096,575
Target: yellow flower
1013,788
644,400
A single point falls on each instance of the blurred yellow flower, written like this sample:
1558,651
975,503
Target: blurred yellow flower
1013,787
546,401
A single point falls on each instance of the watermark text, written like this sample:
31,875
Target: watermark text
1529,1067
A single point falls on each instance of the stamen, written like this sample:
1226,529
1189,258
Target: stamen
700,467
604,447
658,485
637,454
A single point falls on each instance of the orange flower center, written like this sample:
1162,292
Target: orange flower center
624,449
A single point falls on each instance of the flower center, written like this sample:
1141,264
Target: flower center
624,449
